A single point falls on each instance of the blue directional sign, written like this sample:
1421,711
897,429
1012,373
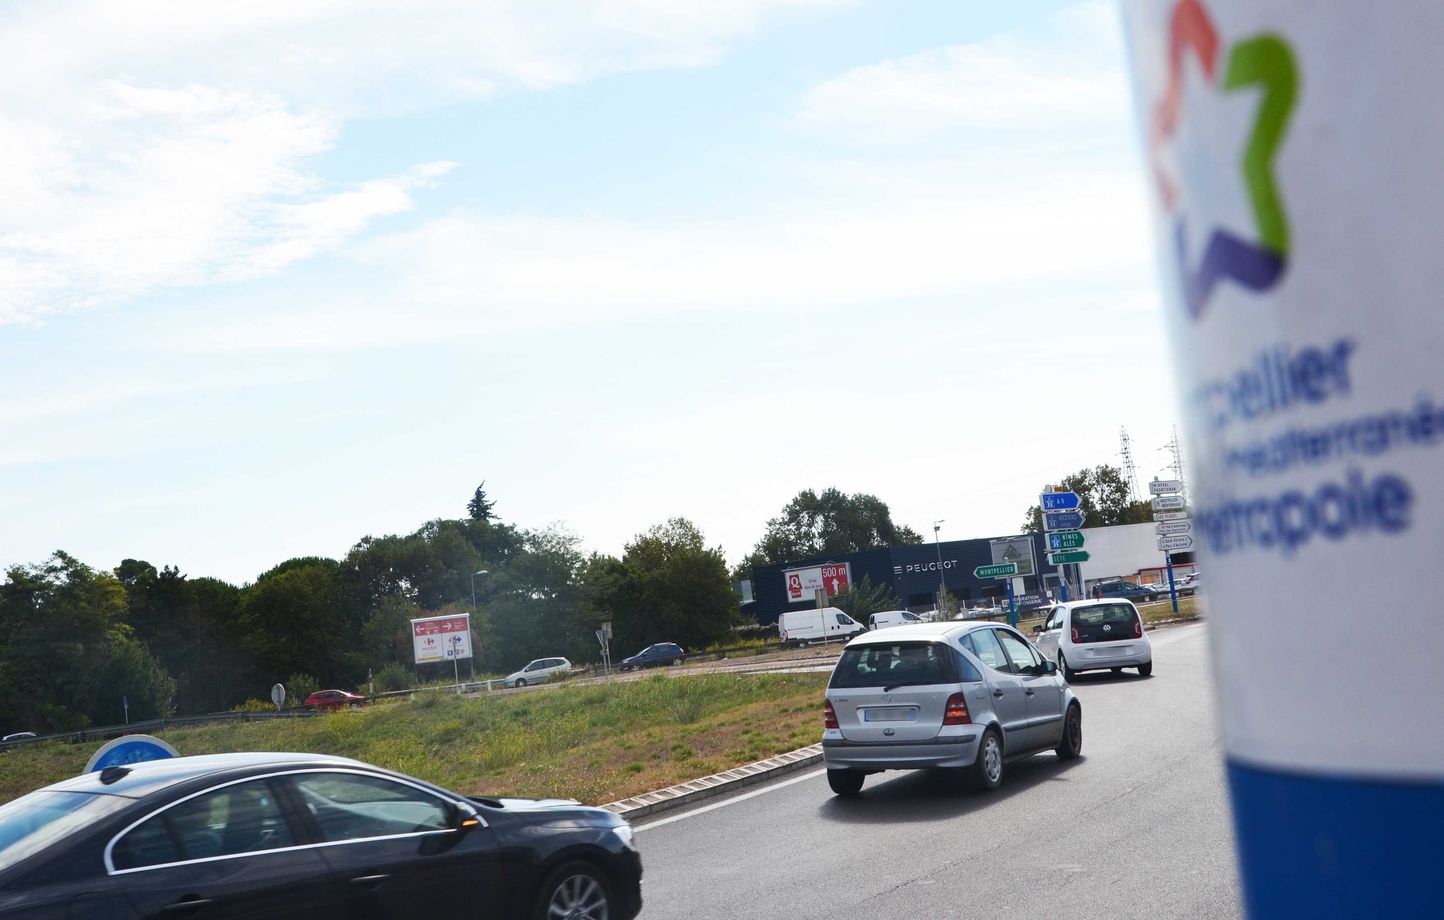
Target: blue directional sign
1063,520
129,749
1060,501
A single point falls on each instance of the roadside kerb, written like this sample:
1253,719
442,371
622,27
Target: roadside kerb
650,803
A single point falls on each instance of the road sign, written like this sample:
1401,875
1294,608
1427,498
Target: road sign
1170,515
1063,520
1169,503
278,696
441,638
1018,550
129,749
1067,558
1001,570
1172,528
803,584
1065,539
1165,486
1059,501
835,579
1175,544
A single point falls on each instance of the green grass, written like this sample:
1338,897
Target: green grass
595,743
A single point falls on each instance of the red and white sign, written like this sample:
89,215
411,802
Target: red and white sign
441,638
803,584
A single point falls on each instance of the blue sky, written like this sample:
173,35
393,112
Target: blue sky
274,277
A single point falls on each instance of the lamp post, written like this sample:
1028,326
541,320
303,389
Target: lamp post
942,581
474,618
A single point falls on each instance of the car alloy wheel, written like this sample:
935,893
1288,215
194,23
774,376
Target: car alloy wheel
988,769
575,892
520,682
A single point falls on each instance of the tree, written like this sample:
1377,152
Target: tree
667,587
828,524
66,652
1102,497
479,507
292,626
865,599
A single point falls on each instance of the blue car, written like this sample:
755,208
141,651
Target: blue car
654,655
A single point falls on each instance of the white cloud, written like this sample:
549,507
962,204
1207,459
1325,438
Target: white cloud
1068,71
160,144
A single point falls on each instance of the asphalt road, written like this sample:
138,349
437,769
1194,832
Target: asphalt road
1137,827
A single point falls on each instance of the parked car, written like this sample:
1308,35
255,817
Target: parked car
800,627
334,699
302,836
538,671
1124,589
1188,584
1093,635
18,736
885,618
967,695
655,655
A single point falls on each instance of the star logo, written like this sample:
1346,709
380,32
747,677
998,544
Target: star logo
1264,62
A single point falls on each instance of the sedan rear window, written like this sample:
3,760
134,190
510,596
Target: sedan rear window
897,664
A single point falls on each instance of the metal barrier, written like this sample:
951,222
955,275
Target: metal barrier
106,732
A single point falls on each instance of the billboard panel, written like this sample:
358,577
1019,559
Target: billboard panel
1017,550
441,638
804,583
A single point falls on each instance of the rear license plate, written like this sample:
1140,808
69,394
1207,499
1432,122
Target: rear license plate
890,714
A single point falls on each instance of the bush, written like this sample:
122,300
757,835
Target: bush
392,677
299,687
255,705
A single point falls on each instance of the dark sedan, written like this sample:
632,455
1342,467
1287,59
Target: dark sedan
654,656
304,836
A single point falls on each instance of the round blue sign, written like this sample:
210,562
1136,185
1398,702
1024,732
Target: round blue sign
129,749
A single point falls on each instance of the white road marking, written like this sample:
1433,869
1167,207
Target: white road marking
731,801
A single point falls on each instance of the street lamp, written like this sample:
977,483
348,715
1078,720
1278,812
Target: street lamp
474,618
942,582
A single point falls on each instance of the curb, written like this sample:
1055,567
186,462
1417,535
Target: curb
650,803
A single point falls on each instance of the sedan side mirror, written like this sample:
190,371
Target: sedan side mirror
464,817
1050,667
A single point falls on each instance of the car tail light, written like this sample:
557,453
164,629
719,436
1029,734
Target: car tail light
1137,628
829,715
955,712
1076,637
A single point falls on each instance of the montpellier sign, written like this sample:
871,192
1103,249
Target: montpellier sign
1001,570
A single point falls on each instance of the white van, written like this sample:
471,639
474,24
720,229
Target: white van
885,618
799,627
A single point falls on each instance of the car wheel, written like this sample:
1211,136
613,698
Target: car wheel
1145,669
1071,744
1068,673
574,889
987,772
355,705
520,682
846,782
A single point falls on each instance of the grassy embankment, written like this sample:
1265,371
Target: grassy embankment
594,743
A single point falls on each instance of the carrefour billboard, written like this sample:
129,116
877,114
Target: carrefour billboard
441,638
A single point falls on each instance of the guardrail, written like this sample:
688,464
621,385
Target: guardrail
106,732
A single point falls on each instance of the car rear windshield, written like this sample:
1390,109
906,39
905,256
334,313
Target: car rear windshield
1101,622
33,822
896,664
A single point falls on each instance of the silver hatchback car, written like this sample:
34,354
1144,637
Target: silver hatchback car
969,696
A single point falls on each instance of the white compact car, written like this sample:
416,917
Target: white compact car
1094,635
538,671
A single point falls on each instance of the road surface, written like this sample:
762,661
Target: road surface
1137,827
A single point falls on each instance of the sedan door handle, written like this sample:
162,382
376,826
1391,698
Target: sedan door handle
370,881
1027,692
185,904
998,692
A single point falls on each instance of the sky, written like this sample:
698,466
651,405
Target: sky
275,276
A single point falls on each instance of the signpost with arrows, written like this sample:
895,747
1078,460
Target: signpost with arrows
1170,512
1063,522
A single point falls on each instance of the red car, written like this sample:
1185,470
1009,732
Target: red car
334,699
